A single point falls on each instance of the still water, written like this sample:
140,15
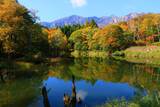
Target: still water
97,81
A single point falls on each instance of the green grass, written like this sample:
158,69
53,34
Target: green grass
156,44
140,54
92,54
150,100
149,52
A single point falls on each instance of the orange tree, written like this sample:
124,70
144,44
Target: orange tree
110,38
57,41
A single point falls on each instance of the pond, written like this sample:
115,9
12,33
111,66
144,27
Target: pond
93,81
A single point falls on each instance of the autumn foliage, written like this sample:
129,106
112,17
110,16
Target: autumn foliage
20,34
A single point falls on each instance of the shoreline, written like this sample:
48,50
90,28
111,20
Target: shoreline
137,54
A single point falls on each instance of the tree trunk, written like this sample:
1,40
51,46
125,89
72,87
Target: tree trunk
158,27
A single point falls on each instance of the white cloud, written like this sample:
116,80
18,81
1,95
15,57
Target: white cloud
81,94
78,3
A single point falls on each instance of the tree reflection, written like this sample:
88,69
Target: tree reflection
6,75
71,102
108,70
2,78
20,82
45,97
74,94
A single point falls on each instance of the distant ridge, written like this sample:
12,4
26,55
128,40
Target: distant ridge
101,21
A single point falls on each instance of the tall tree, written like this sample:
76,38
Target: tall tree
57,41
91,23
17,28
69,29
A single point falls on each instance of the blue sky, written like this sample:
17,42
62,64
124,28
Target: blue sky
49,10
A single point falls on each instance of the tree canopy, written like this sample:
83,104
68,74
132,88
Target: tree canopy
109,38
19,32
81,38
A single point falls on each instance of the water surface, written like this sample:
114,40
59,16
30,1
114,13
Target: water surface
97,81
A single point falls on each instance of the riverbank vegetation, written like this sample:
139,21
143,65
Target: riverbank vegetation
151,100
143,52
140,54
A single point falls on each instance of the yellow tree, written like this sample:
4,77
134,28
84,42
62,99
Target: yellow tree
57,40
146,26
134,27
157,24
110,38
15,24
19,33
124,26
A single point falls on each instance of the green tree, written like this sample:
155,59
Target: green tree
157,24
39,40
69,29
81,38
91,23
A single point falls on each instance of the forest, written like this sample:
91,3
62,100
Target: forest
22,36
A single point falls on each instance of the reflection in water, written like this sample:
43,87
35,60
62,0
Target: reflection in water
81,95
100,80
6,75
2,78
19,93
96,81
73,97
45,97
66,100
19,83
108,70
71,102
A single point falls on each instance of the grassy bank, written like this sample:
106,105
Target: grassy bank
152,61
137,54
140,54
92,54
149,52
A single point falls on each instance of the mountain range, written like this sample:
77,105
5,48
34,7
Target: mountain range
101,21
